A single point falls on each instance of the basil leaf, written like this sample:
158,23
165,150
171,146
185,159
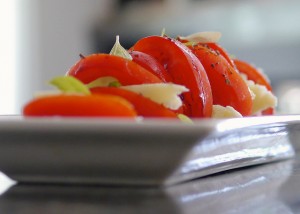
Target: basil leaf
115,84
69,84
163,32
104,82
118,50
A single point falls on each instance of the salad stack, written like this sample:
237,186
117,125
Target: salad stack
159,76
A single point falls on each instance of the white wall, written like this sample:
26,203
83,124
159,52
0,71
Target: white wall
52,35
8,26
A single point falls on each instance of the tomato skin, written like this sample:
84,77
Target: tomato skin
228,87
79,106
256,76
184,68
126,71
252,73
151,64
216,47
268,111
143,106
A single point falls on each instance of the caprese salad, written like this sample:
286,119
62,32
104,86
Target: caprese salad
159,76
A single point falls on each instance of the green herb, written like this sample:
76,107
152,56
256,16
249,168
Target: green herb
104,82
185,119
118,50
114,84
163,32
69,84
227,81
232,56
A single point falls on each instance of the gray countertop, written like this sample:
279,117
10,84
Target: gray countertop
268,188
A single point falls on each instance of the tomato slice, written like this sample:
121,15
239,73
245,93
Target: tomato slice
151,64
216,47
228,87
252,73
256,76
79,106
94,66
143,106
184,69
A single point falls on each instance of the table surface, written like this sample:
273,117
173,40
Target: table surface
269,188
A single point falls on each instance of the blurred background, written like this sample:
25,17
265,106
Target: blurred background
43,39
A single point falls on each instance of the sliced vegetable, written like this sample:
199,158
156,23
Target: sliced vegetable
79,106
125,71
217,48
162,93
142,105
151,64
184,68
252,73
228,87
256,76
207,38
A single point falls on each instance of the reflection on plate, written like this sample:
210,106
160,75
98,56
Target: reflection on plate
152,152
253,190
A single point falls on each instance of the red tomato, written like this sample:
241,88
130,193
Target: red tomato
143,106
228,87
268,111
151,64
252,73
184,68
125,71
256,76
79,106
216,47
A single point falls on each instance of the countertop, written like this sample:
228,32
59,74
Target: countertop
267,188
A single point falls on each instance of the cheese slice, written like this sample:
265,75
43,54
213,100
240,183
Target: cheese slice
203,37
219,111
162,93
263,98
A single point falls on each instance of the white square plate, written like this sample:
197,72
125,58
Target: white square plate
151,152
